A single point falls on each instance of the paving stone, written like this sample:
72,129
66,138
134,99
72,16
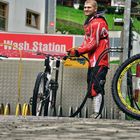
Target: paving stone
64,128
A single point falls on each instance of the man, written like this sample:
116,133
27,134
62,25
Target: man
95,42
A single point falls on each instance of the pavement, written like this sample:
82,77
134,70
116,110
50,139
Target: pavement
64,128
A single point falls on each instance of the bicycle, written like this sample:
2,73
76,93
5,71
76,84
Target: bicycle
44,96
45,89
126,84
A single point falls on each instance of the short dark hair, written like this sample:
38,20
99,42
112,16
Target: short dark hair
93,2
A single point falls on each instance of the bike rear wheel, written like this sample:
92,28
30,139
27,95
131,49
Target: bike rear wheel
126,87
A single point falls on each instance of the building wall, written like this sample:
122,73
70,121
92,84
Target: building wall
17,15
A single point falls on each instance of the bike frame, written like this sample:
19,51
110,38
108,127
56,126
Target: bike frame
49,67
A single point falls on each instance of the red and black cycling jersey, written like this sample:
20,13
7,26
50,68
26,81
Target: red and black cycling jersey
96,40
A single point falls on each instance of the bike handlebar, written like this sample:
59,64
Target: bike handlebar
64,56
51,54
4,56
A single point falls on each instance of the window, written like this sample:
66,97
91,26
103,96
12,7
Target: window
32,19
3,16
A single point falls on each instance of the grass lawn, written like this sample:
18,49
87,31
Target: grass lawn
70,14
77,16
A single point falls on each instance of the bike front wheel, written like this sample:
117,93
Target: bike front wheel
126,87
43,101
39,100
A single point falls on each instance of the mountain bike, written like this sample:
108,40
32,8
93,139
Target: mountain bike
44,96
45,89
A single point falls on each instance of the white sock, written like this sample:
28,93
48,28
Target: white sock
97,103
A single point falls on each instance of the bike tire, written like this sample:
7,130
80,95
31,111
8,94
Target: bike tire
120,97
39,80
50,102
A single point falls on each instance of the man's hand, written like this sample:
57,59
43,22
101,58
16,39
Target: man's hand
73,52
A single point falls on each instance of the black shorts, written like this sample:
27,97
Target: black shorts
99,77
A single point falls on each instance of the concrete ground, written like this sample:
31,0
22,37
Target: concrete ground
55,128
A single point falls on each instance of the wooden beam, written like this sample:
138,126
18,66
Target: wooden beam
125,43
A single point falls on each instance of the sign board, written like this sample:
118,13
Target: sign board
16,45
28,44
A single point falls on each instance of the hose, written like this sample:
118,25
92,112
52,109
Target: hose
90,85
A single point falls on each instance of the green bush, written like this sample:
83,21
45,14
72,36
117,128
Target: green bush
138,18
81,6
101,8
111,9
121,10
